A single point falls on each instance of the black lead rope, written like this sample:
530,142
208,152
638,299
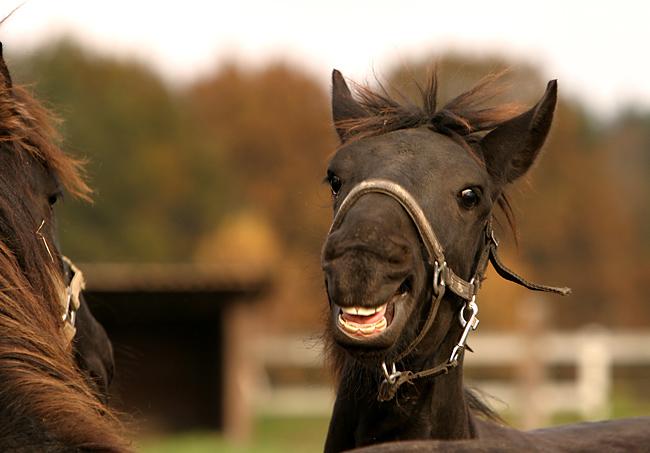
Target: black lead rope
512,276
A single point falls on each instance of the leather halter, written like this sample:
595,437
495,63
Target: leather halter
71,302
443,277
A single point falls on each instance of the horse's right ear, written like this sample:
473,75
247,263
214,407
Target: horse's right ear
5,78
344,107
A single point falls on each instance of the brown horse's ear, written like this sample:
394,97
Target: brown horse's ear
5,78
344,107
511,148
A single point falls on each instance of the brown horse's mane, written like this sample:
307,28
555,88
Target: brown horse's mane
465,119
28,127
45,401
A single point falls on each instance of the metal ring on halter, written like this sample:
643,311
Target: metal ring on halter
439,277
76,285
67,312
391,378
70,314
461,317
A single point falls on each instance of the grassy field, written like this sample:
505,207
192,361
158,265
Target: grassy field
307,435
272,435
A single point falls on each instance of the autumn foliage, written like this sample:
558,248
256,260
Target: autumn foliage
187,173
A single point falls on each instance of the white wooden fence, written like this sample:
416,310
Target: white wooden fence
593,351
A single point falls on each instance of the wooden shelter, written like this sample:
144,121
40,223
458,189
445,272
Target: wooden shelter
183,337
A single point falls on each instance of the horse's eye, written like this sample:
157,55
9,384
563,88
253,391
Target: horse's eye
335,183
469,198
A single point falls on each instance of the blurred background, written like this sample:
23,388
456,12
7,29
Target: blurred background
206,130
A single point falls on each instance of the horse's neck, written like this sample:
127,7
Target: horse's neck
437,404
427,409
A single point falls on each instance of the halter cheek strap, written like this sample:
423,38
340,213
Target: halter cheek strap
72,302
443,278
442,274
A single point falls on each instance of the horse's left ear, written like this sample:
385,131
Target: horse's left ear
511,148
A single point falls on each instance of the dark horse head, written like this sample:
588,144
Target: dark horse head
414,192
55,359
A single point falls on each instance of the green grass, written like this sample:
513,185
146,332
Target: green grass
306,435
625,403
271,435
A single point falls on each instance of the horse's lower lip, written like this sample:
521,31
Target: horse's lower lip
370,329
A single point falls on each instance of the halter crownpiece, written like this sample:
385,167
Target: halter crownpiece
443,277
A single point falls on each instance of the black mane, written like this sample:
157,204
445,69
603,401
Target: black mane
461,117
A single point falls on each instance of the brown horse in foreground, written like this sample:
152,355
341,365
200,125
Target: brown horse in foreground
55,359
415,189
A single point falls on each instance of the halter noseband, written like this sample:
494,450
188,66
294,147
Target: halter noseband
443,277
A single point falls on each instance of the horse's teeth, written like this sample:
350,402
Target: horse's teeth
362,311
364,329
349,328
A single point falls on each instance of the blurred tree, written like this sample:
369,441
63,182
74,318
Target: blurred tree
275,124
275,128
190,173
627,144
234,162
155,193
576,231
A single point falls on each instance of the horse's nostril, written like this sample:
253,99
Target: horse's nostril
399,252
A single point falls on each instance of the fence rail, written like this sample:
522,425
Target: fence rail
593,351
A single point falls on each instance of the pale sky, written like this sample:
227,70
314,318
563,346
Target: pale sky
598,51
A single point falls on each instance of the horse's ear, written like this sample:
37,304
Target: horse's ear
5,78
511,148
344,107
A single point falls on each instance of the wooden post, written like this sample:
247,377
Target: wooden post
532,371
593,375
240,372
